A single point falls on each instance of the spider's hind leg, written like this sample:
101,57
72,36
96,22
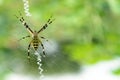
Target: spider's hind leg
43,49
29,51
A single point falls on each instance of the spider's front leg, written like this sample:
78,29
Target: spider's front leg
22,20
49,21
44,38
24,37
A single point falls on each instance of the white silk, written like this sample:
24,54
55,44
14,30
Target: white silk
26,7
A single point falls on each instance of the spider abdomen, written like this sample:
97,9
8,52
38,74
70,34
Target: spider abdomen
35,43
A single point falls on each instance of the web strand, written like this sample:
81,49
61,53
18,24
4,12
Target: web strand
26,7
39,65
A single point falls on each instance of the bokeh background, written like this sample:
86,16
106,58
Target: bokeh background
84,32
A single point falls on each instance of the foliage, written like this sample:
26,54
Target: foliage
117,72
85,30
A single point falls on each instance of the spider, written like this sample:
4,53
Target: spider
36,41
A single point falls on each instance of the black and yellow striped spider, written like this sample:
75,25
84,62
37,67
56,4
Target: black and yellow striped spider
36,41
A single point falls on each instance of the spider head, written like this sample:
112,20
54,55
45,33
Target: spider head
35,33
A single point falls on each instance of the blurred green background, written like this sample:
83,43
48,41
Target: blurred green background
84,32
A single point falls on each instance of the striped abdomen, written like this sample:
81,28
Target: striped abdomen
35,43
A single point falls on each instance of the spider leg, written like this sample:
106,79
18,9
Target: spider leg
49,21
24,38
44,38
29,51
43,50
22,20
